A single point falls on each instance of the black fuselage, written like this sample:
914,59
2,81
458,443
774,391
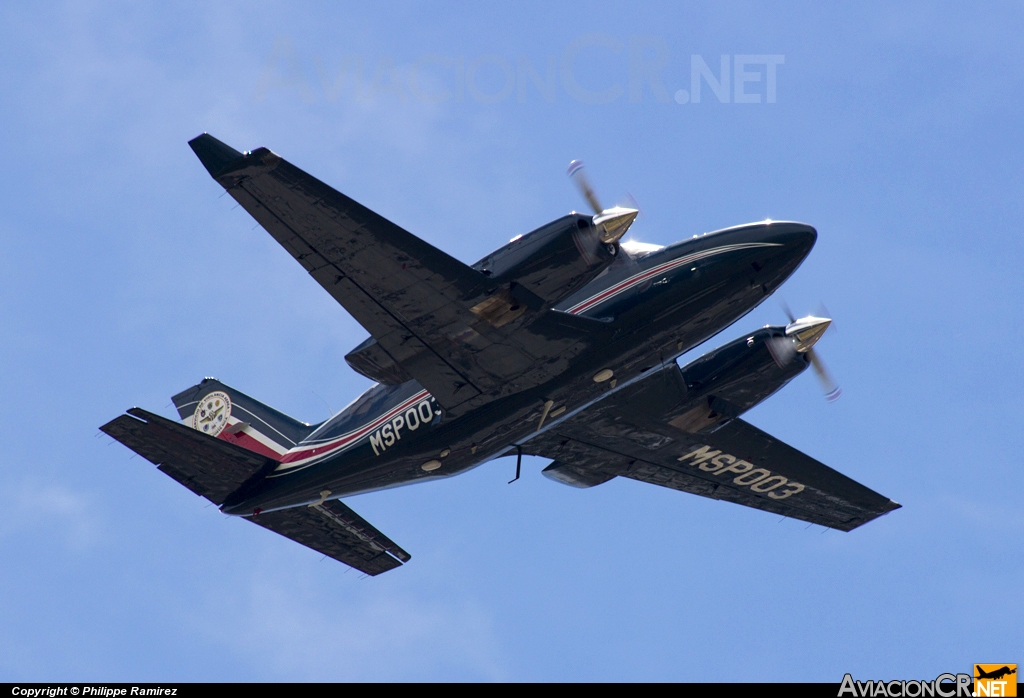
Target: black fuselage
643,312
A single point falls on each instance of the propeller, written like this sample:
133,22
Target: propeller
801,336
613,222
579,178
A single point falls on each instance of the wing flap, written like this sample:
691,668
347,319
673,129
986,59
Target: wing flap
206,465
446,383
332,528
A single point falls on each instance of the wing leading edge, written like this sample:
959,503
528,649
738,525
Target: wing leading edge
631,436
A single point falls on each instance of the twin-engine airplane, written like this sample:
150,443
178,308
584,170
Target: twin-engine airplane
561,344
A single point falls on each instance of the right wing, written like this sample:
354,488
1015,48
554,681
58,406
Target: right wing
632,434
432,314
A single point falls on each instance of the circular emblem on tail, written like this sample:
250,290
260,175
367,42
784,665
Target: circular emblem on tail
212,412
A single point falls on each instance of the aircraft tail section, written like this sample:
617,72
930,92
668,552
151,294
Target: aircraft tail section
217,470
228,414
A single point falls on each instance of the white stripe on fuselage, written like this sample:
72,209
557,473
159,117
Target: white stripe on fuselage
318,452
638,278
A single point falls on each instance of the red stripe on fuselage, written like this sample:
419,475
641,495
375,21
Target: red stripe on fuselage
628,283
625,284
352,436
240,438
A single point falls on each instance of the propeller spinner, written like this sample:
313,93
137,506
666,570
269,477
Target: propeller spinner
801,336
613,222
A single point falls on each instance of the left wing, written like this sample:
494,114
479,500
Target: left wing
630,434
428,311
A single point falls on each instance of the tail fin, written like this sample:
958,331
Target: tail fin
218,410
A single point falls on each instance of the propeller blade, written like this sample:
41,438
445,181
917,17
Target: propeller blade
633,203
832,390
786,310
823,312
576,174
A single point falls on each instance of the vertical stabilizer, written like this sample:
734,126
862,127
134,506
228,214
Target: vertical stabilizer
221,411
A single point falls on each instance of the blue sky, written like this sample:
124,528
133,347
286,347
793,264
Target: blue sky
126,277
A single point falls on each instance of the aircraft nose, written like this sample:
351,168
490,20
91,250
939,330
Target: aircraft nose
794,241
798,238
779,247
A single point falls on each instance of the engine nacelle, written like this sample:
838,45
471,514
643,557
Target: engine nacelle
728,381
554,260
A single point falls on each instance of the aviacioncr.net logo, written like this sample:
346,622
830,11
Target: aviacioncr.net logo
995,680
942,686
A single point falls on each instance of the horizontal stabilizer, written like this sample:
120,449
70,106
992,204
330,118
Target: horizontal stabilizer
206,465
338,532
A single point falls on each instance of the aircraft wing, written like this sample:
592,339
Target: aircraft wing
629,434
413,298
338,532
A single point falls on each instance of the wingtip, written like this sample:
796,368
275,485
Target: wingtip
214,154
139,413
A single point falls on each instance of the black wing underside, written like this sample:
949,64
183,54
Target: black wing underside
417,301
338,532
630,434
213,468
